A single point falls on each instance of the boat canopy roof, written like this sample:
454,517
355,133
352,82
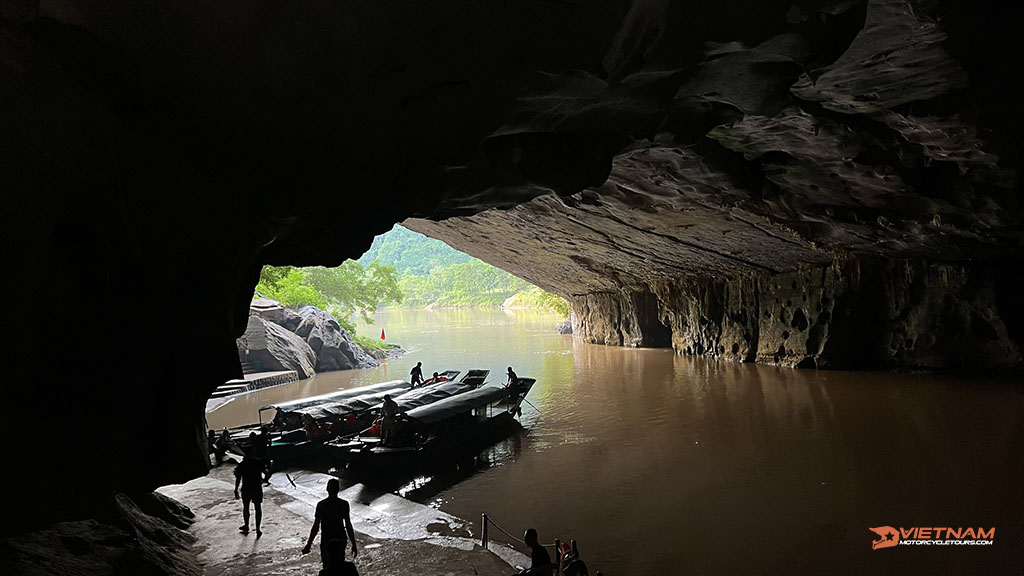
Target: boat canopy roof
406,400
428,394
460,404
346,406
338,396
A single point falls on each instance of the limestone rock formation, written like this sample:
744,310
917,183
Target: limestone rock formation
818,197
328,346
271,311
565,326
168,509
331,343
275,348
131,542
672,166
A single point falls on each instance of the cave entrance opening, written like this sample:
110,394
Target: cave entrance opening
307,320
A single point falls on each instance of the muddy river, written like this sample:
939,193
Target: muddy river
663,464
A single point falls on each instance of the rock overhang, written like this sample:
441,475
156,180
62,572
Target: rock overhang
676,164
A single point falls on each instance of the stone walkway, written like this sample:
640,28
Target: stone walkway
395,536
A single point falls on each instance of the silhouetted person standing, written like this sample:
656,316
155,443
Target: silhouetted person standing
540,560
416,374
211,443
332,515
221,448
336,552
388,414
513,379
249,473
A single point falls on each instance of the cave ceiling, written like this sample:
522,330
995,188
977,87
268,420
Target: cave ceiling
852,129
155,154
671,138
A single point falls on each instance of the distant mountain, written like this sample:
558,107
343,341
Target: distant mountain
411,253
431,273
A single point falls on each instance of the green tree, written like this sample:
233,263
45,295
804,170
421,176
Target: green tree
534,297
352,289
270,276
288,286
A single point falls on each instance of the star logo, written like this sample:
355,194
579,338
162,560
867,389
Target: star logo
887,536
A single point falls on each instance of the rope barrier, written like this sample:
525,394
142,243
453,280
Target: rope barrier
486,522
502,530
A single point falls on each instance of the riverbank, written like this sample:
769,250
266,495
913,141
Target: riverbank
395,536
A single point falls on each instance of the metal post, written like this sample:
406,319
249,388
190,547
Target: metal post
558,556
483,530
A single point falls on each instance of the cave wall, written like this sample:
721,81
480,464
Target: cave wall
856,313
154,155
661,163
620,319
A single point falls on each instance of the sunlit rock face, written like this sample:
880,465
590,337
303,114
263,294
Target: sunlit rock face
673,167
835,193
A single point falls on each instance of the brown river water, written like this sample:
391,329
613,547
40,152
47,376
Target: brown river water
664,464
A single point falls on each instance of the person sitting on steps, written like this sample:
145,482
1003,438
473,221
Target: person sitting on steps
540,560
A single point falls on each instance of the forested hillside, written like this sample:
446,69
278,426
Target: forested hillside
411,252
430,273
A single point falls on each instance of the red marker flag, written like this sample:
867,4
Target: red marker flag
381,333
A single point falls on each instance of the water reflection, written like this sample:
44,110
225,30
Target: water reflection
661,464
448,473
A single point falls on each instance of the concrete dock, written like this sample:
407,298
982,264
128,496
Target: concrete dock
254,381
394,536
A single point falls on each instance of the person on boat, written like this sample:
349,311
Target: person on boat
540,560
435,379
222,445
314,430
249,473
513,379
416,374
332,514
261,449
388,414
570,562
351,422
211,444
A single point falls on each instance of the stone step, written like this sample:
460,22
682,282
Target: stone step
255,381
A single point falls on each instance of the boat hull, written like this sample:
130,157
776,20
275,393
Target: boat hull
376,459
